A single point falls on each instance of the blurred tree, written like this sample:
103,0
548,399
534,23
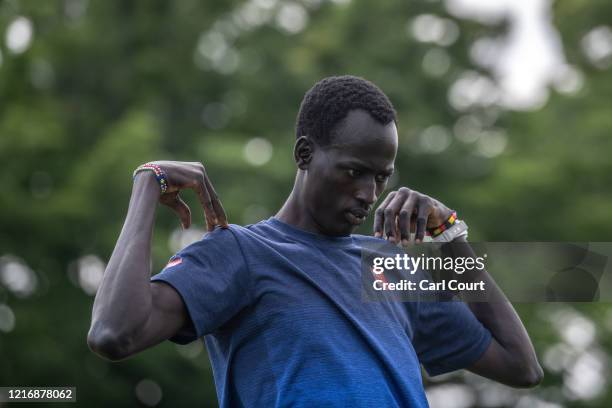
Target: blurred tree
89,90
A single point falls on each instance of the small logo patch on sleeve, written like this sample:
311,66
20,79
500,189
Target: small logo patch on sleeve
175,260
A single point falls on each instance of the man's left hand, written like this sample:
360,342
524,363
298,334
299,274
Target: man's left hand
405,211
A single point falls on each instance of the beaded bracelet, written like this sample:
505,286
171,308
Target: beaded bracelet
160,175
457,230
434,232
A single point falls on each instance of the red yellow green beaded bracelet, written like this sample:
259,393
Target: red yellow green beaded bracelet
160,175
434,232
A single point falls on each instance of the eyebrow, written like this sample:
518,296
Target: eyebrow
359,163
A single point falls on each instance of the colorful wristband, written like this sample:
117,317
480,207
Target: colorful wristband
434,232
160,175
457,230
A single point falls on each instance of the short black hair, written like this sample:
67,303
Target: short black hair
329,101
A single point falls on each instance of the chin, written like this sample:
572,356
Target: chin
337,226
343,228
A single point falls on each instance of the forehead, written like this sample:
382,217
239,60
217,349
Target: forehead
361,137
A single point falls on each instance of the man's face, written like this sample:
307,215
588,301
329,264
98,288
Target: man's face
345,178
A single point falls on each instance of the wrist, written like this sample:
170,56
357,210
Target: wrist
160,174
460,238
144,199
444,225
146,183
458,230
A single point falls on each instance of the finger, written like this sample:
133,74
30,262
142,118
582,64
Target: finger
413,222
391,213
180,207
217,206
379,215
405,216
206,201
396,230
425,207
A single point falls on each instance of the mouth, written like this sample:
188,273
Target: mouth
356,216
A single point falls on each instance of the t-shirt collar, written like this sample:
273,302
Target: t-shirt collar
310,237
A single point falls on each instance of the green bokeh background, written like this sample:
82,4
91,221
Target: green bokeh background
107,85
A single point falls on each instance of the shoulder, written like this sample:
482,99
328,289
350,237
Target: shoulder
220,240
220,246
224,238
233,231
367,240
238,232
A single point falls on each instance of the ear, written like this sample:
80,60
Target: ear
303,151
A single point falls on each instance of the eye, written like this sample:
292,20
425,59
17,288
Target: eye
353,173
382,178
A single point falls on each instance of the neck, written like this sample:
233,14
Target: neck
294,211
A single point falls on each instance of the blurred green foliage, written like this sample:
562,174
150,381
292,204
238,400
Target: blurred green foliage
104,86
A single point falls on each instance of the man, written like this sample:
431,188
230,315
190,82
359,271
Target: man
279,302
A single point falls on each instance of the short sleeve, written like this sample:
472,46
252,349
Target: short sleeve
448,337
212,278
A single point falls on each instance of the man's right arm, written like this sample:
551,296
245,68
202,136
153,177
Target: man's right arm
130,312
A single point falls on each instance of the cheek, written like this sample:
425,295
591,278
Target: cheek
332,191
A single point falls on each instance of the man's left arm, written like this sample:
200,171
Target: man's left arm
510,357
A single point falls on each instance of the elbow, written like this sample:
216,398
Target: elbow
106,344
530,377
536,377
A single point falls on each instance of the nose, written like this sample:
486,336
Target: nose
366,192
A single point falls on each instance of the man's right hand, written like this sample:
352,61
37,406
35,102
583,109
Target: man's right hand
130,312
190,175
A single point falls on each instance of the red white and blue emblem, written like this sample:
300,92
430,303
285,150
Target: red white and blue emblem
175,260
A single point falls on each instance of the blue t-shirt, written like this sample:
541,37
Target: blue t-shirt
284,322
